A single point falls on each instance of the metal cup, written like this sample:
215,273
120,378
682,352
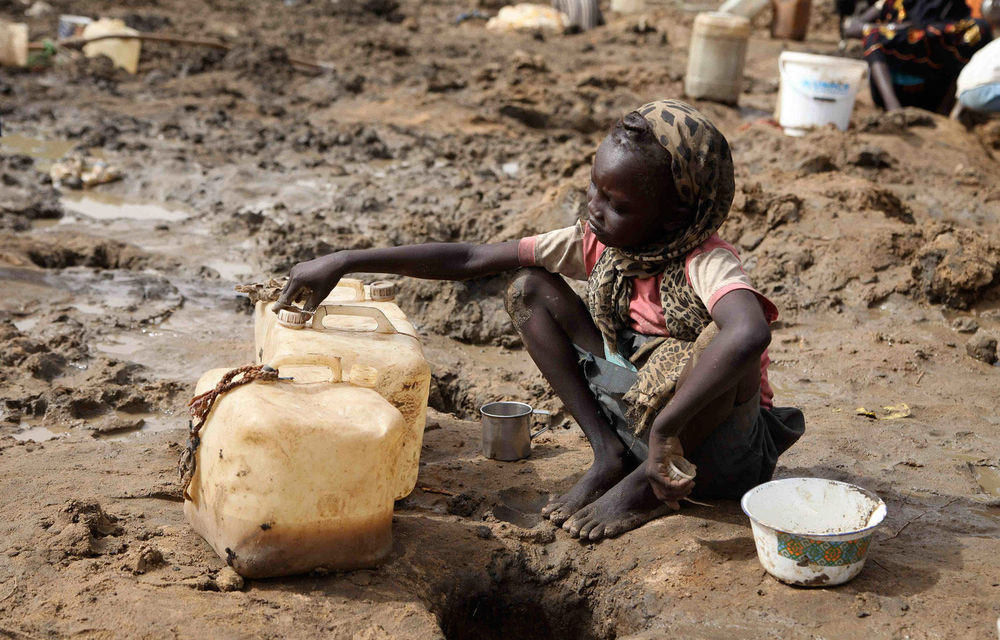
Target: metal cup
506,430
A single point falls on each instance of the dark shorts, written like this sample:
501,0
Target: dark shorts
739,454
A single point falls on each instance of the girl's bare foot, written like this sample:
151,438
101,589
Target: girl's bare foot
626,506
600,477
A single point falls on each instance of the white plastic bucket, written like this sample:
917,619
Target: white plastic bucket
817,90
812,532
716,57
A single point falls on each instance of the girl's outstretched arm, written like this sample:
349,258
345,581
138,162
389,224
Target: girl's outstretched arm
433,261
731,356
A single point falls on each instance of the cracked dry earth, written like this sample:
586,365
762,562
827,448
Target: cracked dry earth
880,245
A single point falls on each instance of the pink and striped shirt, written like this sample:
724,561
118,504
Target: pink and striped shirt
712,269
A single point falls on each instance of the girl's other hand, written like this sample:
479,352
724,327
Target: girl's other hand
318,277
667,488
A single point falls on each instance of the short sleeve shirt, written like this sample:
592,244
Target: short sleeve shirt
712,269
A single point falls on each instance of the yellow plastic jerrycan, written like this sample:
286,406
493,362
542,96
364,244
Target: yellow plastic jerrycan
374,342
296,475
124,52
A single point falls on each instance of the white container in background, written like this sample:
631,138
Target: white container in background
123,52
812,532
716,57
13,44
71,26
817,90
746,8
628,6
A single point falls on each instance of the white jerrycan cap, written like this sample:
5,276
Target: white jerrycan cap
382,291
363,375
293,318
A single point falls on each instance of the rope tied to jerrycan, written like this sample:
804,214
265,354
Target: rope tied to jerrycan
201,405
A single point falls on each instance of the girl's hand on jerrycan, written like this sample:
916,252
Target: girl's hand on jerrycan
314,279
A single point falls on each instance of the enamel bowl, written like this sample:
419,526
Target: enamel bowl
812,532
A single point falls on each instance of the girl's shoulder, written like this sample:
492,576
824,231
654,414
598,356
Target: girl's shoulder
711,244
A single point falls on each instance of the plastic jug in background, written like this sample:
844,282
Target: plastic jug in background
717,56
746,8
124,53
791,19
296,475
628,6
13,44
376,346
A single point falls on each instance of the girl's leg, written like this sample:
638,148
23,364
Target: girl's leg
551,318
632,503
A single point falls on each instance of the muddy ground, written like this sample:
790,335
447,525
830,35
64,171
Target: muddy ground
880,245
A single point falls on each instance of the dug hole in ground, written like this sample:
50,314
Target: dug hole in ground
880,246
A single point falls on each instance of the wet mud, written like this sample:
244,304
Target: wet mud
880,246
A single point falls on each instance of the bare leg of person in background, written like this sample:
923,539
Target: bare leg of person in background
883,82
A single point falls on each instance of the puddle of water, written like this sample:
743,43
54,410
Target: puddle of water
753,114
92,309
151,423
124,344
988,477
26,324
46,151
987,513
231,270
203,333
102,206
37,433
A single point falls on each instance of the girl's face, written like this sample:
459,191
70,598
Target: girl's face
629,203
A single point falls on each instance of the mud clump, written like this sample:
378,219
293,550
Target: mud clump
63,250
26,194
889,204
957,267
870,157
469,312
84,529
897,122
820,163
228,580
983,347
267,65
146,559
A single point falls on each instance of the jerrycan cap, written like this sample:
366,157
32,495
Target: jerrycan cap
382,291
363,375
293,318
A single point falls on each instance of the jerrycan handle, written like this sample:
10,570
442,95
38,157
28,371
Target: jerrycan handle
383,324
357,285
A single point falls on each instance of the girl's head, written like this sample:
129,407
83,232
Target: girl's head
662,181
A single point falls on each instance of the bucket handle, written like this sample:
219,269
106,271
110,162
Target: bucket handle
781,71
383,324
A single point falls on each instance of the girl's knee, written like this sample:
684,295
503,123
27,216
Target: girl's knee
524,291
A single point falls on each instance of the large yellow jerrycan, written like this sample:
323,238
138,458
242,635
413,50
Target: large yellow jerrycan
296,475
376,346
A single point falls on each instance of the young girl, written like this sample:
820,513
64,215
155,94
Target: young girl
666,358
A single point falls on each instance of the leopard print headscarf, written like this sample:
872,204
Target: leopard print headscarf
701,168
